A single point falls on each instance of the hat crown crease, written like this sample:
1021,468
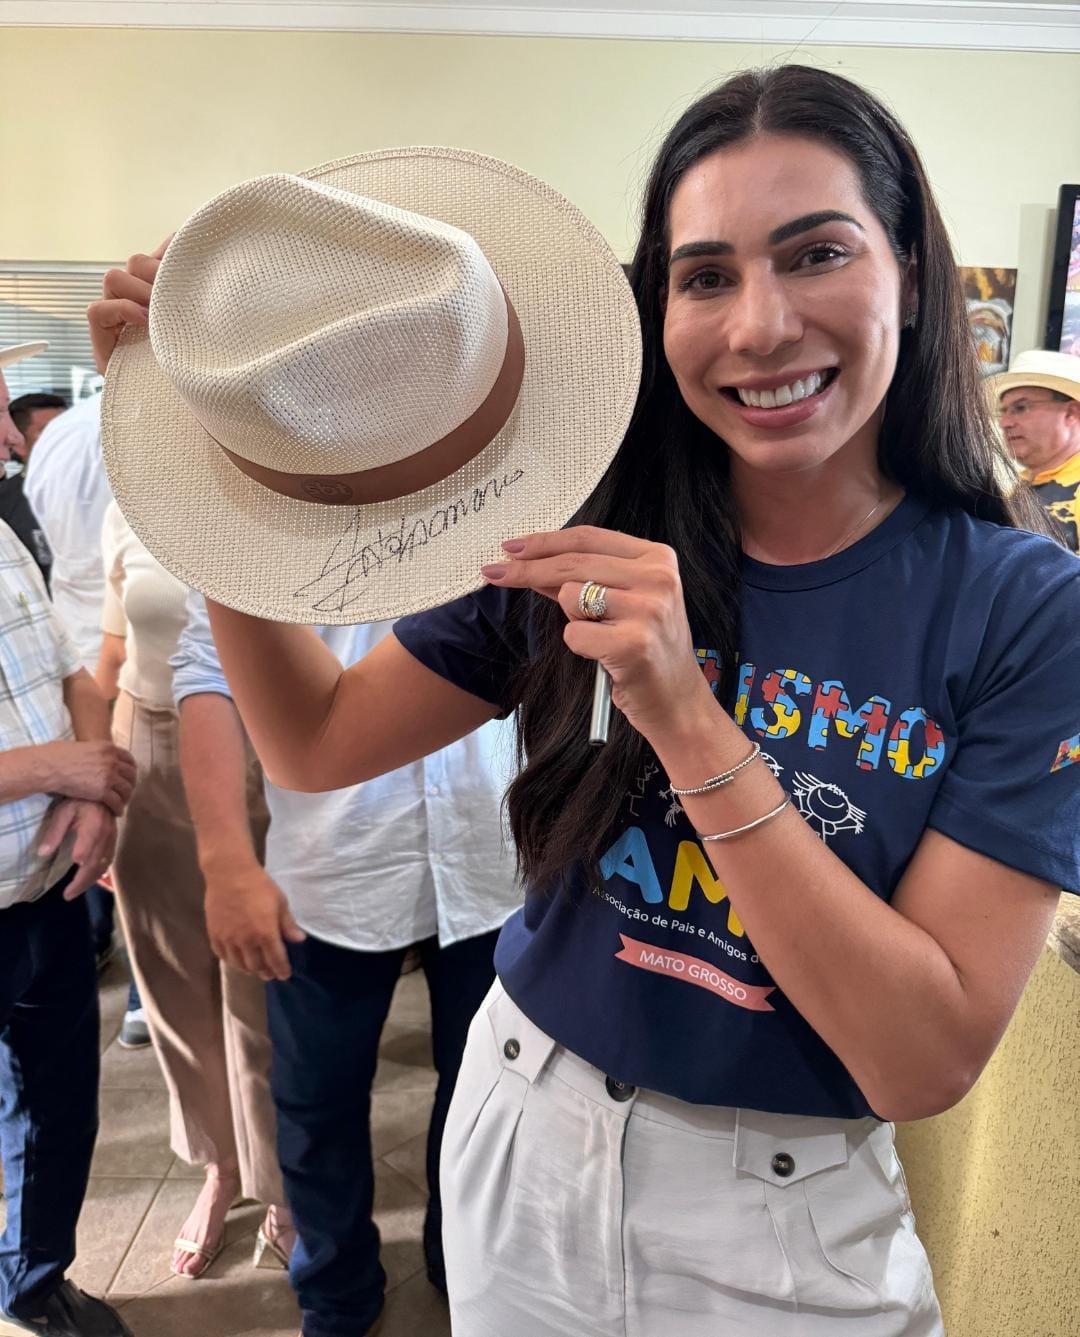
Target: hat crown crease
367,349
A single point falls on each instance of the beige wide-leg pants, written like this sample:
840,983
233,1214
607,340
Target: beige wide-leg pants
207,1021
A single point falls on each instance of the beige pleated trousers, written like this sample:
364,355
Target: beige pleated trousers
207,1021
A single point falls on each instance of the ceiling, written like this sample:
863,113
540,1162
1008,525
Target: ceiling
1051,25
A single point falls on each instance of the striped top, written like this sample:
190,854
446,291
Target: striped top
36,655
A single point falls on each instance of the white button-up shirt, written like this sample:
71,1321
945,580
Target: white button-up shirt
68,490
36,655
419,852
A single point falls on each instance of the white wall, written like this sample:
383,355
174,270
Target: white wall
109,137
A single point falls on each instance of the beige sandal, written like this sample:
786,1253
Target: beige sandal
268,1240
209,1256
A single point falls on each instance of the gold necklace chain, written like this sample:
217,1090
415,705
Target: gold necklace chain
854,530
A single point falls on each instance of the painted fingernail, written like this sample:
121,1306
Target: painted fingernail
514,545
493,572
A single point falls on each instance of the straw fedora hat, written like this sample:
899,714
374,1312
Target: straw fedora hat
1051,371
357,381
17,352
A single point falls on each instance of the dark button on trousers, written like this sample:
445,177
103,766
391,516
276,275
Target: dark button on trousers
49,1061
325,1024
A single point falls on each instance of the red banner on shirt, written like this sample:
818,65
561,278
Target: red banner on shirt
693,970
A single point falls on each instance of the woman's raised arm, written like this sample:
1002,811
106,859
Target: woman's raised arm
316,726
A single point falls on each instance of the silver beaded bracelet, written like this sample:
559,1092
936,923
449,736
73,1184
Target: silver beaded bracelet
760,821
724,778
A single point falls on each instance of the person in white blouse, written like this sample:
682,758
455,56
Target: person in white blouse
207,1022
352,879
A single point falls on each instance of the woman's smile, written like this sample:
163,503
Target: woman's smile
776,403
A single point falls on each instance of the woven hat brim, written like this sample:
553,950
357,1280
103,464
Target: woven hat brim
19,352
293,561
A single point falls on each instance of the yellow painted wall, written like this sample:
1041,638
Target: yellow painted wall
115,135
996,1181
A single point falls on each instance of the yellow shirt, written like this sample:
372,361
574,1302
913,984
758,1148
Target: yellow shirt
1059,492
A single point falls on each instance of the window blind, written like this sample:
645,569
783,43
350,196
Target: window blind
49,301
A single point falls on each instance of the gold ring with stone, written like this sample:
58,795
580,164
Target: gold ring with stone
592,601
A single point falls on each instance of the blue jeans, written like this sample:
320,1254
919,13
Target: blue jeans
48,1091
325,1023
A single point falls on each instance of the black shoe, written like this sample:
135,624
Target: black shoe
70,1312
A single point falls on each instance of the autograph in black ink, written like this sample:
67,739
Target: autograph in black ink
357,555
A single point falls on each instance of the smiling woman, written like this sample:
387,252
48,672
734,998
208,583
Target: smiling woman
782,906
789,234
784,339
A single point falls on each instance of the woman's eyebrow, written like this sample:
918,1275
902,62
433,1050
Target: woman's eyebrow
696,249
808,221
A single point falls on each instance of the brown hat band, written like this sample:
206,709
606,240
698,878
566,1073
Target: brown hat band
416,472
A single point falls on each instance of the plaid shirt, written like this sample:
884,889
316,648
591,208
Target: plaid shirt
36,655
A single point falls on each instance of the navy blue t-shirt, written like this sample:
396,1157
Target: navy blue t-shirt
927,676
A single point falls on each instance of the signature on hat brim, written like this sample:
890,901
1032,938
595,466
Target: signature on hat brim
298,561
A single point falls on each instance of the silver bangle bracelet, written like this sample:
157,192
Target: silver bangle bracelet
724,778
760,821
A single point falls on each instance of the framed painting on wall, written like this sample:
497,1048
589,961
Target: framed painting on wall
1063,309
991,297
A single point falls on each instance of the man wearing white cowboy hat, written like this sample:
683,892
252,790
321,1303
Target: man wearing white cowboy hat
1039,408
62,786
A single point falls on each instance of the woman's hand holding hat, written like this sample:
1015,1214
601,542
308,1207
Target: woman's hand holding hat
125,300
635,625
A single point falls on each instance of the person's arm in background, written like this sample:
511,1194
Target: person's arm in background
247,917
110,662
95,771
92,823
94,777
90,769
87,707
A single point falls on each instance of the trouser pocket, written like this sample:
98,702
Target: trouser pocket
837,1201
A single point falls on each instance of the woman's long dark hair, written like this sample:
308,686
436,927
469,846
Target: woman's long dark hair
669,481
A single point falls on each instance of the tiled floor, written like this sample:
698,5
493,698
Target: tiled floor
140,1194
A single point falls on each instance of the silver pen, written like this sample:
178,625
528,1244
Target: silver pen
601,707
